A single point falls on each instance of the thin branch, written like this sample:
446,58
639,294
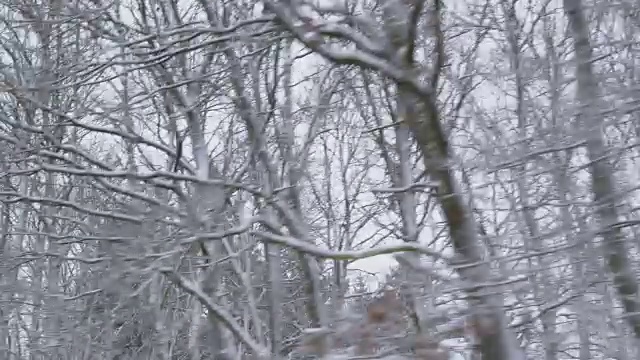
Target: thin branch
218,312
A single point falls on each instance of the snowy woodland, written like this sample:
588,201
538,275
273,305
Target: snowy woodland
330,179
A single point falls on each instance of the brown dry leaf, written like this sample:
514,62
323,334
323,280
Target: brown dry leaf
365,346
384,308
432,354
377,313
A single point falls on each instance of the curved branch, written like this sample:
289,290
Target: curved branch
218,312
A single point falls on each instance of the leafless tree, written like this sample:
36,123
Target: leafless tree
203,179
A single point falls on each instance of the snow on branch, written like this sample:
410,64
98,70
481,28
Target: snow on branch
218,312
421,186
380,332
314,250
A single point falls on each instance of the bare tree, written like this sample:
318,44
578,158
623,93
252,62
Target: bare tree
200,179
588,122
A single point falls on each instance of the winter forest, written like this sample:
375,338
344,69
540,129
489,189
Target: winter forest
319,179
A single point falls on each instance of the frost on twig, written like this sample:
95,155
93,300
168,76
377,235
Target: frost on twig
422,186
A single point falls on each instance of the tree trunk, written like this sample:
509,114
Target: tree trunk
602,180
422,115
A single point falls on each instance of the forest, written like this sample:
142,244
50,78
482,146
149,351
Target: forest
319,179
